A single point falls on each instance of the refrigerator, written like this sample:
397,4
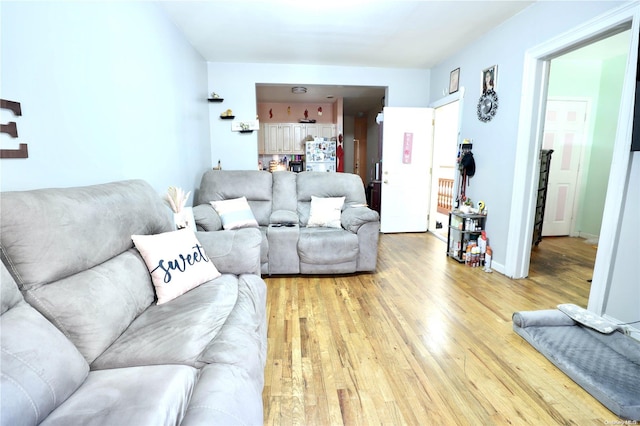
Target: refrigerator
320,155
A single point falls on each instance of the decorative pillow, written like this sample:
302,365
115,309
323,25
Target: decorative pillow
235,213
325,212
177,262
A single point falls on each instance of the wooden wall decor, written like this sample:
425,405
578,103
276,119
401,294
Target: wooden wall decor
12,130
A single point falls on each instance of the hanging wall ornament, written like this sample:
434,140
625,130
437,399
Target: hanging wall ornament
271,113
487,106
320,111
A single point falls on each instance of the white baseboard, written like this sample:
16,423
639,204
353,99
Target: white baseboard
631,331
498,267
591,238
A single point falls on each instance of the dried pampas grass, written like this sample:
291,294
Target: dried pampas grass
177,198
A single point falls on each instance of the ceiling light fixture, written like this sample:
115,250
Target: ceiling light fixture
298,90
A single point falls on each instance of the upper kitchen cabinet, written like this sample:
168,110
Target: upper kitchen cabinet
289,138
326,130
275,138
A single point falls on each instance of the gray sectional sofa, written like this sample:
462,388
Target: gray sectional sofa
284,198
84,343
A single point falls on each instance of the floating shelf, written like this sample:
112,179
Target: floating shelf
227,117
215,99
246,131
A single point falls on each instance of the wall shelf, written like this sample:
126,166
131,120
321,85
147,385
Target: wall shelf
215,99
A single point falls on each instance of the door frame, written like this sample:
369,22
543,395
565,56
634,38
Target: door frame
454,97
529,140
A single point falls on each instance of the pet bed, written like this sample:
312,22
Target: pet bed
605,363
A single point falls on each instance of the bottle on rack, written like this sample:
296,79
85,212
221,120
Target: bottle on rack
475,257
487,259
482,243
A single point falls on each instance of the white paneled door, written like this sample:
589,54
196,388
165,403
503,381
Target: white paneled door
564,132
407,144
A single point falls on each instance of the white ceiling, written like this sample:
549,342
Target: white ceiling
362,33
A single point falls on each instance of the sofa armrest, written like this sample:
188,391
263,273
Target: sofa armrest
353,218
206,218
233,252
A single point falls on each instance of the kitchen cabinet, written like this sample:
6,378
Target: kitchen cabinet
275,139
289,138
326,130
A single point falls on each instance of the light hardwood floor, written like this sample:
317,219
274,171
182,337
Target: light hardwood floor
423,341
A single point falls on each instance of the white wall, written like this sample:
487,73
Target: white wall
236,84
109,91
494,143
623,299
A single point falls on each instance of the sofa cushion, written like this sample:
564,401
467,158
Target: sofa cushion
264,246
177,262
206,218
40,368
324,246
10,295
255,185
244,334
92,308
150,395
322,184
176,332
284,196
55,233
325,212
235,213
225,395
234,252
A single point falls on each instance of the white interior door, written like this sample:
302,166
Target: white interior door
407,144
564,132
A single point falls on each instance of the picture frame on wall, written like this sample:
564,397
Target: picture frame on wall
489,79
454,81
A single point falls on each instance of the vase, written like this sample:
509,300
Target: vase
184,219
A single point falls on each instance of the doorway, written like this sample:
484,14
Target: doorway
360,147
536,67
445,142
584,83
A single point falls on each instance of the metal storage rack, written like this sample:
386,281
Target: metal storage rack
543,183
461,233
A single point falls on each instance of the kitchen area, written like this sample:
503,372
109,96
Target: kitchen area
298,136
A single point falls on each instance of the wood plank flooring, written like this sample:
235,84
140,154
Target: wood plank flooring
423,341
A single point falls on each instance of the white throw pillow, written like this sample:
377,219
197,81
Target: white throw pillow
235,213
325,212
177,262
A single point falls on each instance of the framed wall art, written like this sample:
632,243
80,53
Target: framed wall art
454,81
489,79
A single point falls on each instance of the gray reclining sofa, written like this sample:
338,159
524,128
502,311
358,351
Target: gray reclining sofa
284,198
84,343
